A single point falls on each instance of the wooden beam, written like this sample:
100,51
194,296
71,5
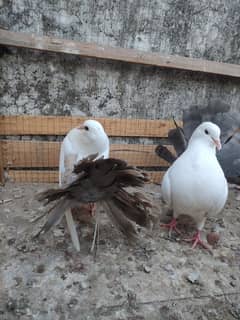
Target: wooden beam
30,176
59,125
2,178
38,154
40,176
43,43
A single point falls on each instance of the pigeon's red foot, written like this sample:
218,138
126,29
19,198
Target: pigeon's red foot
196,239
172,226
92,208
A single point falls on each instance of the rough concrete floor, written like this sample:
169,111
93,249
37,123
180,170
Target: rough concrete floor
158,278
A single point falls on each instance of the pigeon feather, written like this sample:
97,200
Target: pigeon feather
104,180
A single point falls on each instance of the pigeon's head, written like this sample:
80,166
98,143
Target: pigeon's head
92,130
209,133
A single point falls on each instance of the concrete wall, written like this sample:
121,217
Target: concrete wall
42,83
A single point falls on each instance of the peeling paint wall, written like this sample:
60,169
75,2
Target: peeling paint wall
44,83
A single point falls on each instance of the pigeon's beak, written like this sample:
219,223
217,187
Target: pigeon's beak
217,142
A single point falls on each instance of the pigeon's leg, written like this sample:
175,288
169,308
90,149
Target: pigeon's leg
196,239
95,241
172,225
94,237
92,208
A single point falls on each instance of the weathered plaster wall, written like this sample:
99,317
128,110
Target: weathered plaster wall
41,83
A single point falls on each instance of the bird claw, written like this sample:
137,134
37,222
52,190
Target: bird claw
172,226
196,239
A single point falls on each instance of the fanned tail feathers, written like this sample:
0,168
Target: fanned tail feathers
134,206
119,220
51,195
55,215
104,180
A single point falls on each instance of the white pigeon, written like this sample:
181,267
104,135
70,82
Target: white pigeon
195,184
80,142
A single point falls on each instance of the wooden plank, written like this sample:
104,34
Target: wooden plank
138,155
43,43
38,154
59,125
35,176
28,154
31,176
2,180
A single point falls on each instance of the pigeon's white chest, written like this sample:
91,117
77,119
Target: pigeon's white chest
76,143
198,185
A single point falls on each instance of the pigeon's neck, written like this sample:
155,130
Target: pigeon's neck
199,146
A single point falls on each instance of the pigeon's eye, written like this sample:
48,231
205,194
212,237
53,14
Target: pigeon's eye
206,131
86,128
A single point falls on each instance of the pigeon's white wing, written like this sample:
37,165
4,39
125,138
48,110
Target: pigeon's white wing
66,162
166,190
105,154
61,166
68,158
